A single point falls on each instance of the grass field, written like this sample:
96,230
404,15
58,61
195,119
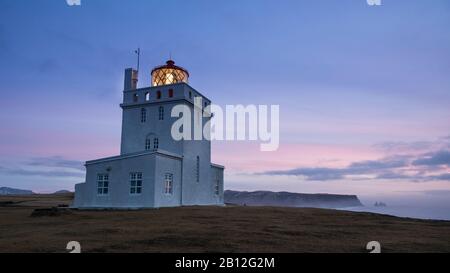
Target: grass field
211,229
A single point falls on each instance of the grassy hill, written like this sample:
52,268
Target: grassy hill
211,229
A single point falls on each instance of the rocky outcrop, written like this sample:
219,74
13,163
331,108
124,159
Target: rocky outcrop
62,192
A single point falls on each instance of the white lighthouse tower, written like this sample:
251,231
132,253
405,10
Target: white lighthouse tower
153,169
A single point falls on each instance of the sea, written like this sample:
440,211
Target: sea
425,207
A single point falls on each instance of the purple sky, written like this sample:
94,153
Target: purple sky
364,92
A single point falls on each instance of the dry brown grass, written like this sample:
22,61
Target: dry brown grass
211,229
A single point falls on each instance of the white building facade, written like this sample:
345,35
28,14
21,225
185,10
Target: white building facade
154,170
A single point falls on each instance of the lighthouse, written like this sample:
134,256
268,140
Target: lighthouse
154,169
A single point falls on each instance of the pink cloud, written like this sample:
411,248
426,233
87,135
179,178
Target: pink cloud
246,156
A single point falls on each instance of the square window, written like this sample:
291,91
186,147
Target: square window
102,184
135,183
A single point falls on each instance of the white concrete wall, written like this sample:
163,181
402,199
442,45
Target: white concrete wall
187,190
119,183
134,132
152,165
217,173
165,165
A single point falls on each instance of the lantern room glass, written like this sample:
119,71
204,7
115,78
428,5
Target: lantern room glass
166,75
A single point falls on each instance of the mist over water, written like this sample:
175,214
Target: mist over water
422,205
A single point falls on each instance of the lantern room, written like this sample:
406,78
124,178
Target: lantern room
169,74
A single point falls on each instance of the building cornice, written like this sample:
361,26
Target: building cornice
132,155
217,166
165,86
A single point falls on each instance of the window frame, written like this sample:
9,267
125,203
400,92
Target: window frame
143,115
217,185
102,190
148,144
138,179
161,113
197,169
168,184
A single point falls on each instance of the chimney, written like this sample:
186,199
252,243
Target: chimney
131,79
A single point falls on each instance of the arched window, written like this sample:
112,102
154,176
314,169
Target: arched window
170,93
147,96
148,144
161,113
149,141
158,94
135,97
143,115
155,143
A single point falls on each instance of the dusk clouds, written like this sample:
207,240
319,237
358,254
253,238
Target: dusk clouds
434,159
429,166
56,161
51,173
54,166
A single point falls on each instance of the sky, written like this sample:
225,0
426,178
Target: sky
364,91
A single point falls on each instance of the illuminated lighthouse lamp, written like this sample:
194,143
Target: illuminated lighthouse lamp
169,74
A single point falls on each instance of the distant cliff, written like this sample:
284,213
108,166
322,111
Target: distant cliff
12,191
62,192
290,199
